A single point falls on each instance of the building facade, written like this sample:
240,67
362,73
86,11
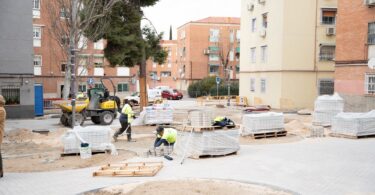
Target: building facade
354,80
50,60
16,69
164,74
204,47
288,48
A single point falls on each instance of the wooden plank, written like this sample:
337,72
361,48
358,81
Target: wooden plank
207,128
134,169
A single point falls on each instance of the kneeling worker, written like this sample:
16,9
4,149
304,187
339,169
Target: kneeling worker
166,136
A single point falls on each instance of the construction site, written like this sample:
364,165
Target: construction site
260,151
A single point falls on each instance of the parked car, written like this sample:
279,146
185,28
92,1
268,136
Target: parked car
153,95
172,94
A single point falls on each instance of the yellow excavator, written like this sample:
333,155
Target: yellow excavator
99,106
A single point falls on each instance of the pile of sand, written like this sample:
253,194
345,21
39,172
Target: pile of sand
189,187
25,135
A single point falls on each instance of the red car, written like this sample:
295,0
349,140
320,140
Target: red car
171,94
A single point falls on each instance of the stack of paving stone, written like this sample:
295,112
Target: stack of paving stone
201,118
262,123
327,107
354,124
158,114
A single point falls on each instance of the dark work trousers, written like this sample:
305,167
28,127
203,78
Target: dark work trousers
124,124
1,164
158,142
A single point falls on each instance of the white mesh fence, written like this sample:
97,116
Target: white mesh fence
98,137
263,122
326,107
197,144
158,114
357,124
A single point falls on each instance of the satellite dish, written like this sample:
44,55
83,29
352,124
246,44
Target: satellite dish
371,63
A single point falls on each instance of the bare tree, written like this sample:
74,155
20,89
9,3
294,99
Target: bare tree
68,20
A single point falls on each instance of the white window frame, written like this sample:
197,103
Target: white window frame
252,84
79,87
213,57
263,85
253,25
99,45
40,60
369,86
165,74
253,56
36,8
37,36
123,83
264,54
214,35
327,57
216,65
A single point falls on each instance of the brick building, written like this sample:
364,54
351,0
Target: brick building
355,47
165,74
202,45
50,60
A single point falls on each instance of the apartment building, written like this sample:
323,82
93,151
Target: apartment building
288,51
50,60
354,80
16,69
204,48
164,74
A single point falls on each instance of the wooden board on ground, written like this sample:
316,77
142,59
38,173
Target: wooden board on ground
131,169
211,156
209,128
260,135
339,135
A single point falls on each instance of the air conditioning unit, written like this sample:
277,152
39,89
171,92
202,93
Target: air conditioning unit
370,2
262,32
206,51
250,7
331,31
262,1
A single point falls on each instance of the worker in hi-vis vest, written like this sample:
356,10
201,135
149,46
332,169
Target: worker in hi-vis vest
126,118
166,136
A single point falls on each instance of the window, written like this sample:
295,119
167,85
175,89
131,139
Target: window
83,60
231,36
99,85
82,88
329,16
237,68
153,65
98,61
371,33
63,13
263,84
252,84
82,70
154,75
264,54
231,55
82,42
253,55
36,4
165,74
326,87
122,87
214,35
37,60
37,36
63,67
11,94
327,53
214,69
253,25
264,20
238,36
214,57
370,84
99,45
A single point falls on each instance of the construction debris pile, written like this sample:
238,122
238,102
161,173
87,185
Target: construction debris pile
98,138
158,114
216,142
354,124
326,107
263,122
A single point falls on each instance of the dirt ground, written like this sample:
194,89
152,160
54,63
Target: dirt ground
189,187
25,151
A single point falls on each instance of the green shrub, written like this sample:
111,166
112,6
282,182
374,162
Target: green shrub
207,86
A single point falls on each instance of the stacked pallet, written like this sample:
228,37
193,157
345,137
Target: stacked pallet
200,118
354,124
263,123
158,114
195,144
98,138
326,107
130,169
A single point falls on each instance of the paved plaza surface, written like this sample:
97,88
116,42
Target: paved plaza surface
311,166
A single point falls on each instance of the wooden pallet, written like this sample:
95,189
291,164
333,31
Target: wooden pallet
131,169
78,154
351,136
209,128
261,135
211,156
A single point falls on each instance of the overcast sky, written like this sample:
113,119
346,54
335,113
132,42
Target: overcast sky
179,12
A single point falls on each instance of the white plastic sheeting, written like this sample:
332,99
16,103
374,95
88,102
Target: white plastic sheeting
158,114
201,118
98,137
326,107
356,124
197,144
263,122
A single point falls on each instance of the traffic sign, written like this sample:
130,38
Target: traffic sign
218,80
90,81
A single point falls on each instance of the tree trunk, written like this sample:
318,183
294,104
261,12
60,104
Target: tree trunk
67,80
142,80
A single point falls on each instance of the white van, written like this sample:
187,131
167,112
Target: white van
152,94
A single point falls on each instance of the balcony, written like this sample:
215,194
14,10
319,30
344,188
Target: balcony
211,50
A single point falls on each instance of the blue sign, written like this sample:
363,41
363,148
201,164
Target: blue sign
218,80
90,81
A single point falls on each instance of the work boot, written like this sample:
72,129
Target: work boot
130,138
115,137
